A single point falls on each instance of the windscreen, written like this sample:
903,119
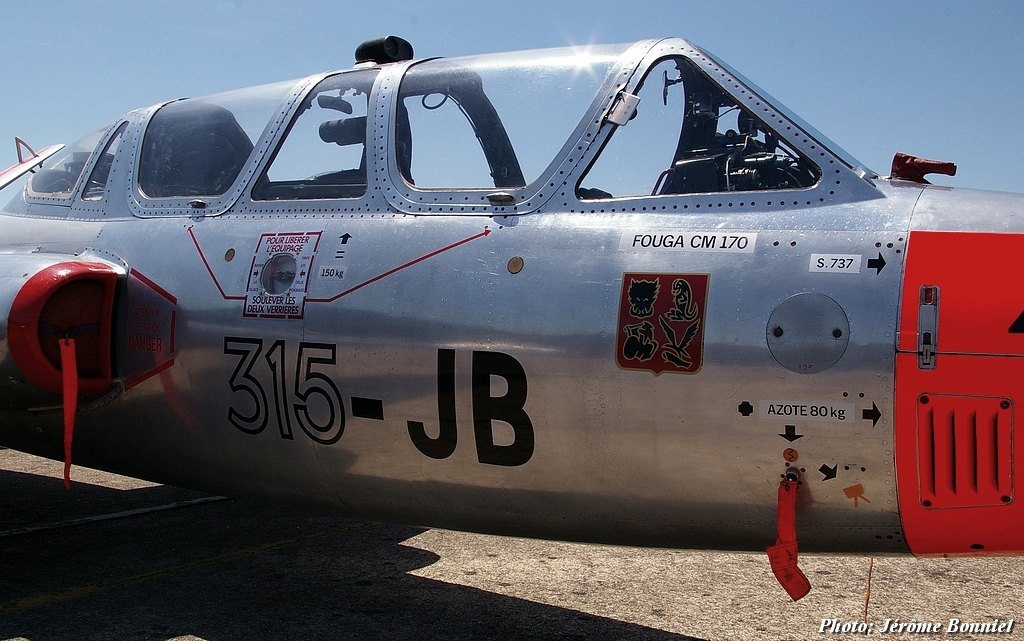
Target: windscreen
60,174
688,136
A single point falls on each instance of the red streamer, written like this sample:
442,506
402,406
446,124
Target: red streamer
783,555
69,368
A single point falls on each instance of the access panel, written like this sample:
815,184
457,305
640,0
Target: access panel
959,378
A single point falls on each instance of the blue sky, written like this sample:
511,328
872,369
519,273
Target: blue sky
939,79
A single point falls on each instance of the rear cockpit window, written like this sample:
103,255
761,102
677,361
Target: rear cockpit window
323,154
198,147
689,136
494,121
60,174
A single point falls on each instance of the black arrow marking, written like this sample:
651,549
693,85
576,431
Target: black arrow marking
791,434
828,472
344,241
877,264
1018,325
872,414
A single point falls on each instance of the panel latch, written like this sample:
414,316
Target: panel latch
927,327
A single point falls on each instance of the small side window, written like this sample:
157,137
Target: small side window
323,154
688,136
97,182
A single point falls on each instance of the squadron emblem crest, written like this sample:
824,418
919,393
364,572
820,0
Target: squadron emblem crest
661,322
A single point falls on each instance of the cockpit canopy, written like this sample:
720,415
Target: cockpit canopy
626,122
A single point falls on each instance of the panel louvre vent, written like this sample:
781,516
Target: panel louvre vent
964,451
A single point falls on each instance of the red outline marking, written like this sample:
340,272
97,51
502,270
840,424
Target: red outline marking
199,249
485,232
156,288
208,269
148,375
174,301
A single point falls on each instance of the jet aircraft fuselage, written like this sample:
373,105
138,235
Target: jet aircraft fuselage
613,294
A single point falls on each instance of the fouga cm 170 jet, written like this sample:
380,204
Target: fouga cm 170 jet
615,294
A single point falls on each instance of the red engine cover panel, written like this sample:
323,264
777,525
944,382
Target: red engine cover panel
956,454
955,447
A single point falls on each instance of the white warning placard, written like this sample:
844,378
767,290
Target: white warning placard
279,275
836,263
807,410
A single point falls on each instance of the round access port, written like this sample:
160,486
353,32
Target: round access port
808,333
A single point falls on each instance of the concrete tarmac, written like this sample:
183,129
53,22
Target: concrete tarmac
117,558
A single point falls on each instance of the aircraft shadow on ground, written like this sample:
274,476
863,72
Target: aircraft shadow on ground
237,570
30,500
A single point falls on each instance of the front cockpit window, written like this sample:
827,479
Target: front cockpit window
688,136
198,147
494,121
323,154
60,174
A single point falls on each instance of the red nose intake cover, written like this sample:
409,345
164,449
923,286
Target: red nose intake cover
72,299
